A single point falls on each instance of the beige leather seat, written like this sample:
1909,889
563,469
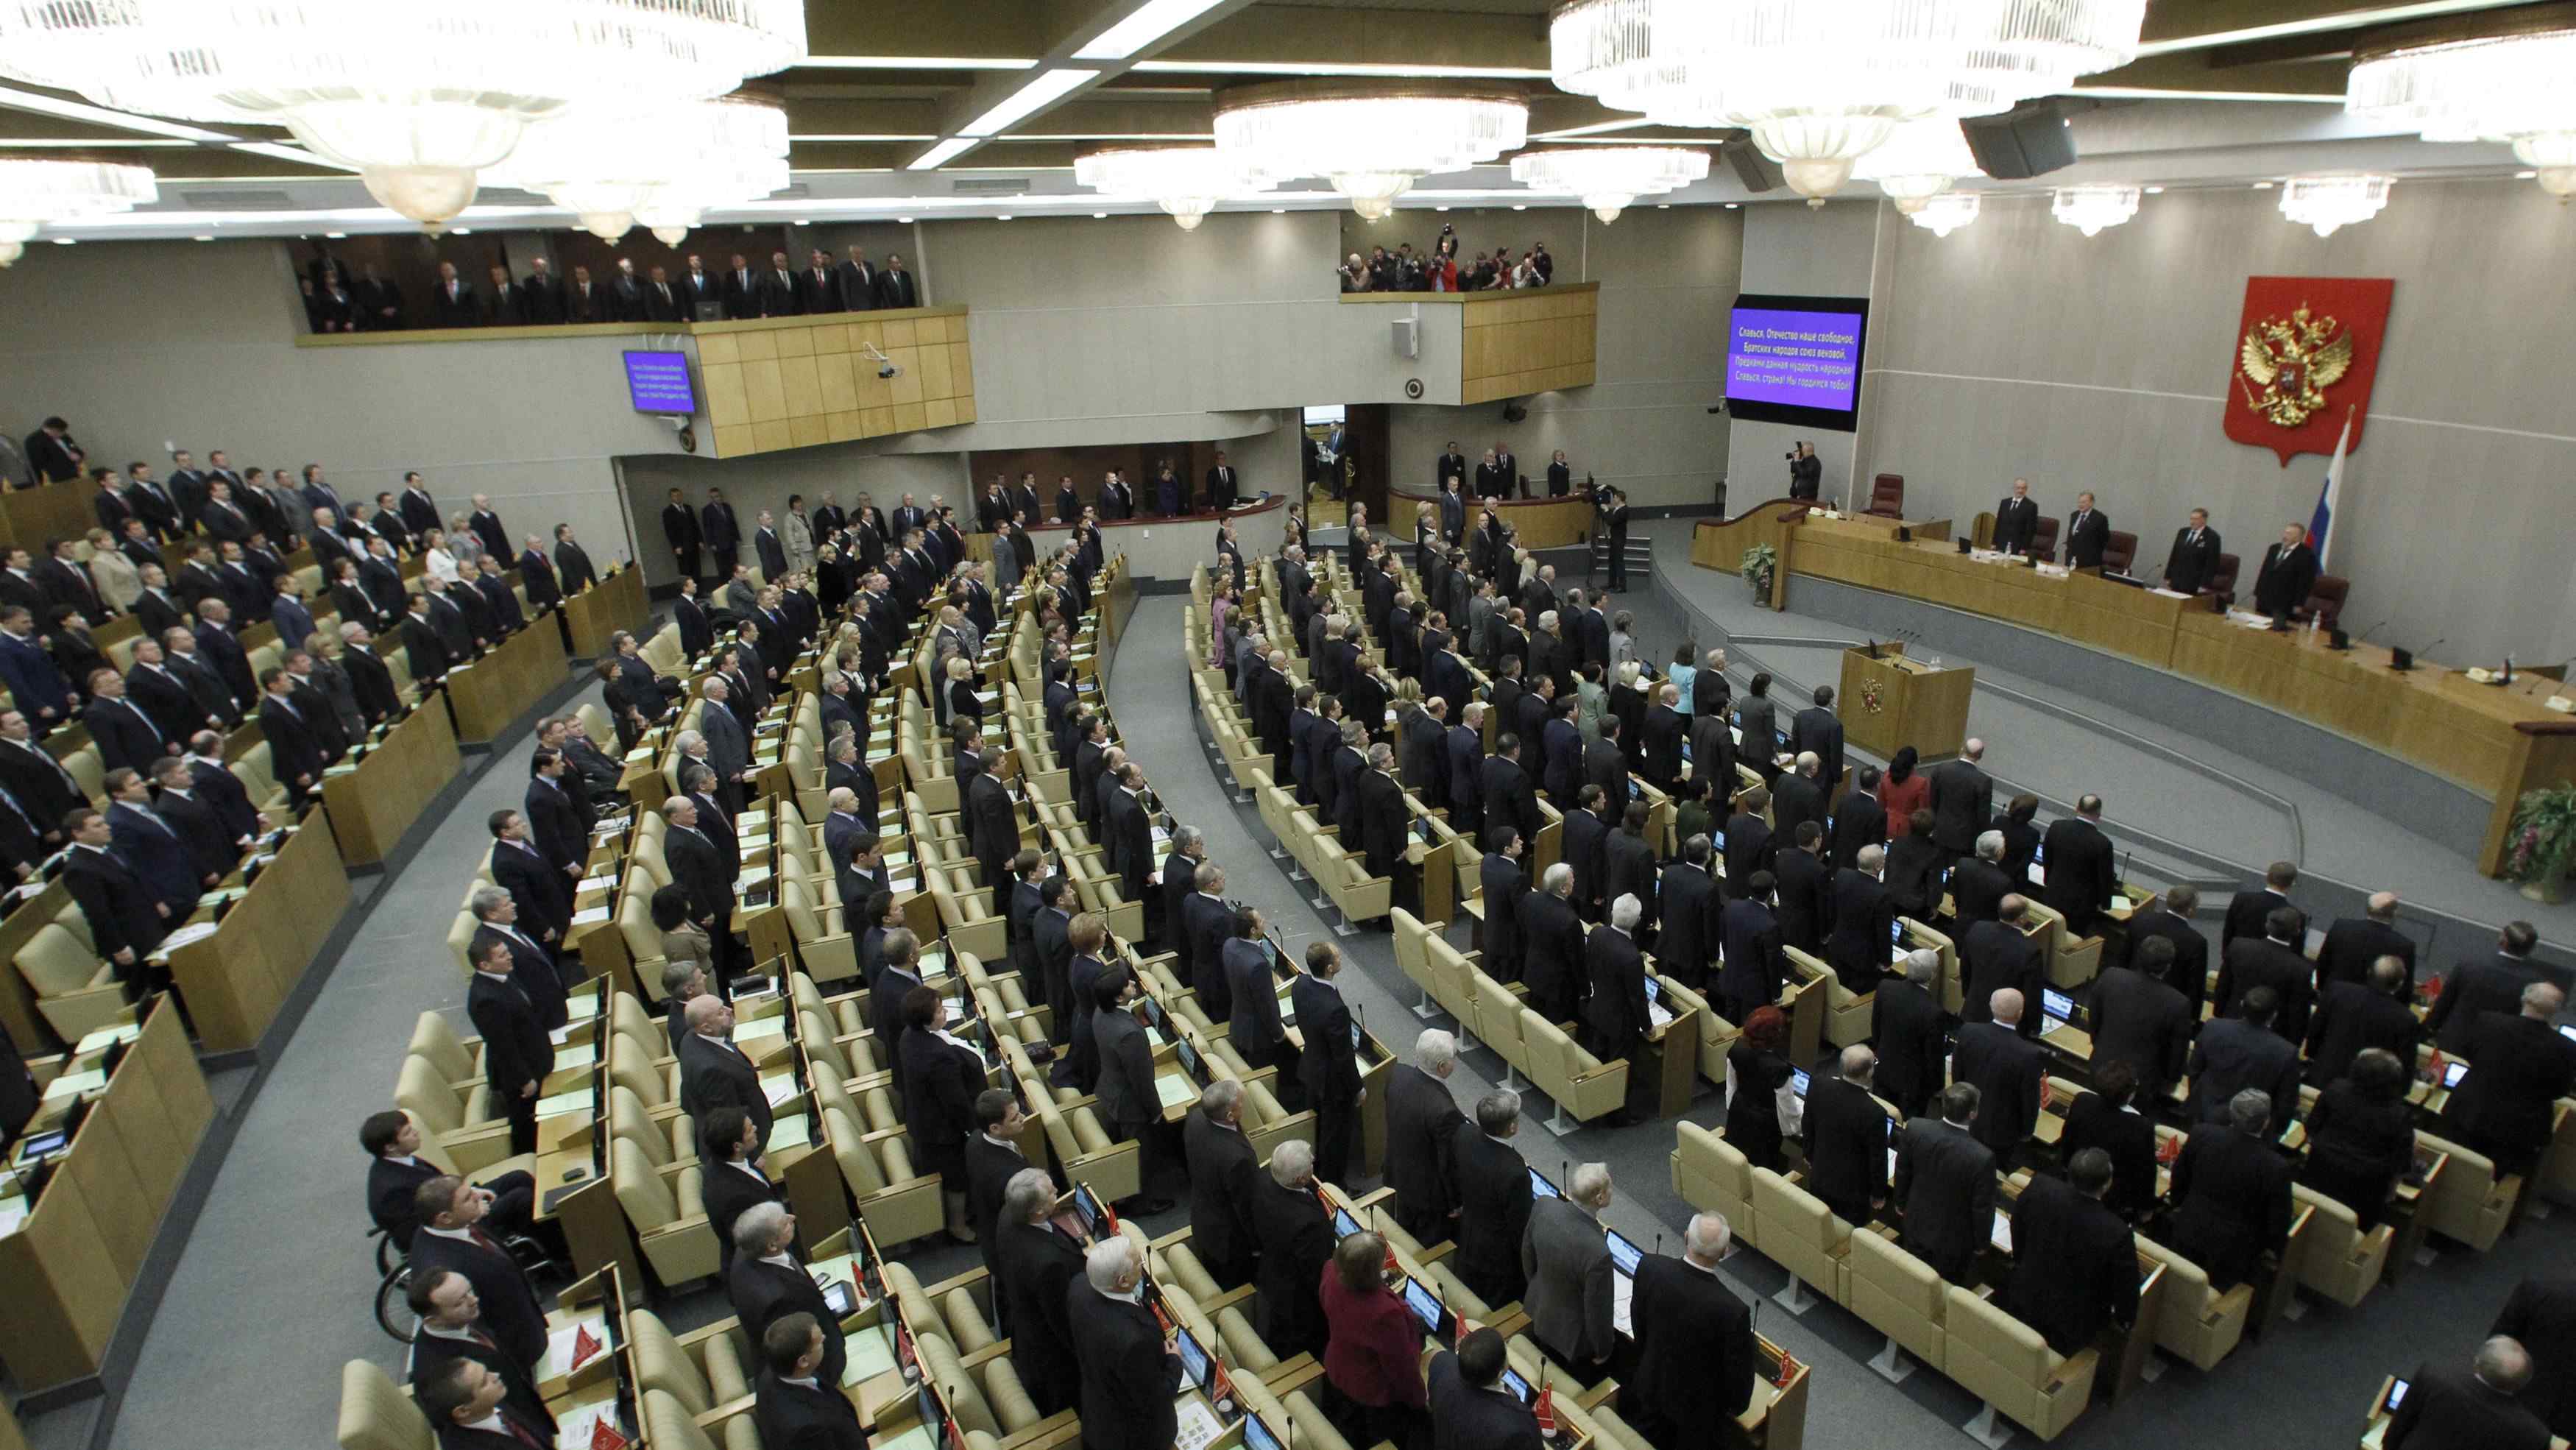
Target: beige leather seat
75,988
2336,1258
1898,1295
899,1204
456,1120
1711,1175
1801,1235
1582,1086
2197,1322
376,1415
668,1425
2004,1362
2467,1201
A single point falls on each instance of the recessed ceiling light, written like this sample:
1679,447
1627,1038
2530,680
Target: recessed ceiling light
335,236
913,62
1663,206
65,241
1440,208
2155,191
1730,206
1047,88
205,239
1520,206
804,222
903,221
1279,211
1006,216
464,231
2526,176
1100,216
1143,26
2262,186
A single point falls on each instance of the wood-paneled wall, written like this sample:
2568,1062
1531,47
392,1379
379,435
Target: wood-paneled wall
793,382
1528,342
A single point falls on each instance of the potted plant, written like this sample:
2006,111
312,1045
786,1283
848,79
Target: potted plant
1756,568
2543,847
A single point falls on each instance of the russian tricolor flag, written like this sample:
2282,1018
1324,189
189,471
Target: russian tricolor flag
2318,522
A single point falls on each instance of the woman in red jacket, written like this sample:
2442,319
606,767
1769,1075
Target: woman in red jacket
1903,791
1373,1349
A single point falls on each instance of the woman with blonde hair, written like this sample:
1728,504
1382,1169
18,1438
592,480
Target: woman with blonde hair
957,696
464,543
120,583
329,676
436,559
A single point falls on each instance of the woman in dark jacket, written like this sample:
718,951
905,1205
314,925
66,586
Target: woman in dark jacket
1628,702
1756,1066
2361,1136
1757,720
941,1077
1373,1349
2021,836
1170,498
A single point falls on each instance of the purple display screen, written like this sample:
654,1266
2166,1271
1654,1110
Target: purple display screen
658,382
1794,359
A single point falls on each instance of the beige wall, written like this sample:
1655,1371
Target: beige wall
142,343
1804,251
2019,346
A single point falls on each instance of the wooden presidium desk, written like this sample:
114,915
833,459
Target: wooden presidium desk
2494,742
68,1261
235,977
374,801
597,613
506,683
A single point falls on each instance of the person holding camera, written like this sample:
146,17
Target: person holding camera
1806,471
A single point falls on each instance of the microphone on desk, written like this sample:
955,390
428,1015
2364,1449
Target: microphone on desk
1659,1243
2341,640
2403,660
2126,862
1873,649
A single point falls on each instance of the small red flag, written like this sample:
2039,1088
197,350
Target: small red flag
604,1436
1545,1410
584,1345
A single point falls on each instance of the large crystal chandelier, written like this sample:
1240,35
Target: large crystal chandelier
1941,215
663,166
418,97
1610,177
2511,88
2328,202
1919,162
1371,141
1819,85
2089,209
1185,181
33,193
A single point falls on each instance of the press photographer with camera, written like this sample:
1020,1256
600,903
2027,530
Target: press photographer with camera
1806,471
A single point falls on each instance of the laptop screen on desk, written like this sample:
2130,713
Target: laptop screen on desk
2058,1006
1540,1187
1194,1359
2452,1072
1798,1083
1343,1224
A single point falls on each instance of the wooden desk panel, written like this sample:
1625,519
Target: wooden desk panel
235,980
372,806
506,683
2120,620
595,614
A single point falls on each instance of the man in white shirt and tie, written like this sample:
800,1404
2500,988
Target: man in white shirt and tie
451,1329
2088,532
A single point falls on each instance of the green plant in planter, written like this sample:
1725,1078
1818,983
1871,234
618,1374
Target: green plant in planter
1757,565
2543,847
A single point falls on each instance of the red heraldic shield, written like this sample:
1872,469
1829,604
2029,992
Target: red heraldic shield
2305,352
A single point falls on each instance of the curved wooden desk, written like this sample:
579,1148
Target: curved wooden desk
1543,523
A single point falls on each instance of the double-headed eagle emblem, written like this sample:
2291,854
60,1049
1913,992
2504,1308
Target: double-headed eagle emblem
2293,360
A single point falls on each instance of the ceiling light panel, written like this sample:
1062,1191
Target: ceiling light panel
1049,87
1143,26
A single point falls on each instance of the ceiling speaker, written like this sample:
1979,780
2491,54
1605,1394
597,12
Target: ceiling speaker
1757,171
2026,141
1515,413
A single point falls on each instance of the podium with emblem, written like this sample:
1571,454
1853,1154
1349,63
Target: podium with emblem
1889,700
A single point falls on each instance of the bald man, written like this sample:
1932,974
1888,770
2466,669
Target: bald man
2009,1072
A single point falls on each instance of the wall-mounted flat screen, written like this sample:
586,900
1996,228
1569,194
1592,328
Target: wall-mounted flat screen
658,382
1796,360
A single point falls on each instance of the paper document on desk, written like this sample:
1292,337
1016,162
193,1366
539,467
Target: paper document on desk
195,931
73,1083
1656,1015
778,1087
2002,1234
1198,1425
788,1133
2169,593
591,917
558,1359
122,1032
1623,1291
871,1353
12,1214
1175,1089
576,1101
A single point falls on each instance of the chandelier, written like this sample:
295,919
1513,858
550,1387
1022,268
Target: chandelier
1371,142
1919,162
664,166
417,97
2329,202
33,193
2089,209
1185,181
2510,88
1941,215
1820,85
1610,177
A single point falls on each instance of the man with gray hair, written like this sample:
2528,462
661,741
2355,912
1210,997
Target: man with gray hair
714,1073
1494,1198
1571,1290
1422,1123
1694,1358
1224,1171
2010,1070
1551,942
1945,1187
1039,1265
1962,799
1845,1133
2445,1408
1296,1234
532,967
2519,1068
2231,1194
768,1282
1130,1365
1384,825
1864,922
1615,1016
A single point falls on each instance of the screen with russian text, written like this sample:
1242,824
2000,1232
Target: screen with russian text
1796,360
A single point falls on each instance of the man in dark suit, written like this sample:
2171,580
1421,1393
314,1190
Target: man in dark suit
1209,924
2352,1016
2088,533
855,282
451,1329
1755,962
729,1164
993,1158
2493,985
2249,911
1422,1122
1859,819
2446,1409
2541,1315
1689,927
1749,842
2010,1073
769,1282
1996,956
1805,886
1864,922
2518,1069
572,563
1963,800
2288,575
1223,487
123,730
1504,785
2355,943
1846,1138
2231,1192
2188,969
2016,520
2074,1264
2193,560
1223,1173
1694,1363
541,889
897,288
455,1236
1253,1024
2138,1018
2243,1054
1912,1037
1945,1187
2272,960
1130,1368
1494,1197
1470,1408
2083,869
1816,729
1328,1064
517,1054
452,302
1571,1277
1039,1264
795,1407
714,1072
1551,941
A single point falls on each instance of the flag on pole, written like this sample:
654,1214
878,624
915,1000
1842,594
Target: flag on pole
2324,516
